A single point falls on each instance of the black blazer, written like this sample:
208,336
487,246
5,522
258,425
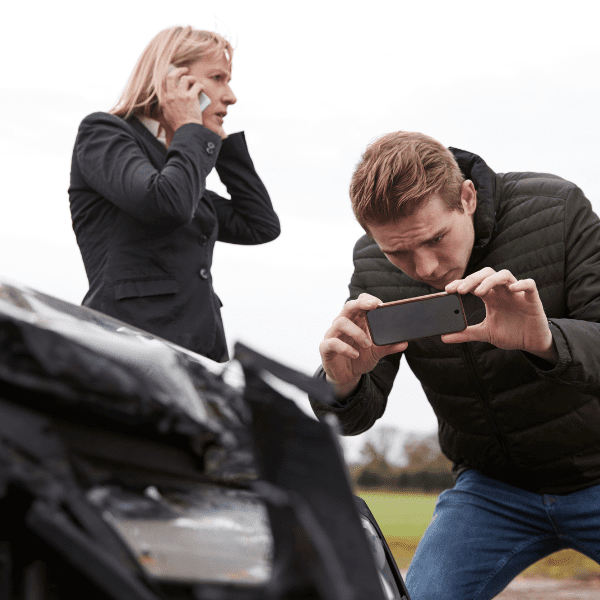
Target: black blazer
146,226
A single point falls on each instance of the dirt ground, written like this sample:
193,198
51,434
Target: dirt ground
533,588
543,588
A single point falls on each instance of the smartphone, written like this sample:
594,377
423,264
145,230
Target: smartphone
203,99
416,318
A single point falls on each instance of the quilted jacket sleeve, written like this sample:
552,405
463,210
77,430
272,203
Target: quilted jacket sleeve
577,336
358,413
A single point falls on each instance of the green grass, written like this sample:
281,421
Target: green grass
403,518
400,514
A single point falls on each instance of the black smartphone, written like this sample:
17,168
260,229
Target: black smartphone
416,318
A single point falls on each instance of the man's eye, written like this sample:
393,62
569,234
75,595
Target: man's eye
436,240
217,77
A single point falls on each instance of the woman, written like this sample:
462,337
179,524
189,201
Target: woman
144,221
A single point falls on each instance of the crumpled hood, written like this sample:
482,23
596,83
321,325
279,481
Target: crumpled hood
95,363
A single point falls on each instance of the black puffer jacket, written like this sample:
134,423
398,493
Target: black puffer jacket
507,413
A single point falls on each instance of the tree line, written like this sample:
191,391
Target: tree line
392,460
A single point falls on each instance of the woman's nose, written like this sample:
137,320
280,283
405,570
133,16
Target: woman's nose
229,97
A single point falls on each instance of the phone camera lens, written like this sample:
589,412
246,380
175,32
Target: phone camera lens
456,311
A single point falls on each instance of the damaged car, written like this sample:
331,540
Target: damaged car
133,469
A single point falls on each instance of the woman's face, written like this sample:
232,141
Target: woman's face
214,74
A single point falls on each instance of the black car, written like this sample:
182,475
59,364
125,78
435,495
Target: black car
131,468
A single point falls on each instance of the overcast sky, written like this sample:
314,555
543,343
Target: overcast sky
516,82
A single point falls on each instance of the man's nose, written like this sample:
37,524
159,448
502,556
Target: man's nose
425,265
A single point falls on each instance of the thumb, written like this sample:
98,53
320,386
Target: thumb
474,333
389,349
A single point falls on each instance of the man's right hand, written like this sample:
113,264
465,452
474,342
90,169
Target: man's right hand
347,351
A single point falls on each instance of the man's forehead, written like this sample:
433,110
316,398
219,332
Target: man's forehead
412,230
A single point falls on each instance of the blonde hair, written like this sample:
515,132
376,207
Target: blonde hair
399,173
180,46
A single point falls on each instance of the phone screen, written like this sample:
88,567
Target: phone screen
416,318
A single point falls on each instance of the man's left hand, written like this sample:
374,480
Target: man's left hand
515,318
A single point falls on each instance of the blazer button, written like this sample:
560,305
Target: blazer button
203,240
203,273
210,147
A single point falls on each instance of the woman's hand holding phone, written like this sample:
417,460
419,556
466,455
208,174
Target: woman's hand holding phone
347,351
180,99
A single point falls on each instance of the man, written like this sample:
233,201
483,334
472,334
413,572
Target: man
517,393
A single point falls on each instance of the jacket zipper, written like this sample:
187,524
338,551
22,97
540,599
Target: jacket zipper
470,360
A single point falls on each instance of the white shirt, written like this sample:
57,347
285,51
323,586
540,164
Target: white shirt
154,127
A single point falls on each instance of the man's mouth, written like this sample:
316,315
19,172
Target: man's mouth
437,280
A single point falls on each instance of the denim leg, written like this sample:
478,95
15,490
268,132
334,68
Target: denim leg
483,534
576,518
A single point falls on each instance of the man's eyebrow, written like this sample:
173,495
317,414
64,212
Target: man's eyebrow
436,235
393,252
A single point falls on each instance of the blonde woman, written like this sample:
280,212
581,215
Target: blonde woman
145,223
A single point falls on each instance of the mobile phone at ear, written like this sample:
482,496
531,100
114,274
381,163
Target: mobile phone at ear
416,318
203,99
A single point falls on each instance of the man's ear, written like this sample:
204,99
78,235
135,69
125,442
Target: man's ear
468,197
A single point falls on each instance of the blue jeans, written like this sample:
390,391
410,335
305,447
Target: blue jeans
484,533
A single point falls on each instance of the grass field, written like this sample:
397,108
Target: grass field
403,518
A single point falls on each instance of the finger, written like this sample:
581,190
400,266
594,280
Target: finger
381,351
174,74
453,286
524,285
187,83
363,303
344,326
504,277
469,283
194,92
196,89
331,347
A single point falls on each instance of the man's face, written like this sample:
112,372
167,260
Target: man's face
434,244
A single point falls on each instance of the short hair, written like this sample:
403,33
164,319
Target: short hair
399,173
180,46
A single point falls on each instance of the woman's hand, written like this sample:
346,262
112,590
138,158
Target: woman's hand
180,101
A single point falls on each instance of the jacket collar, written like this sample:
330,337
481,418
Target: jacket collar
473,167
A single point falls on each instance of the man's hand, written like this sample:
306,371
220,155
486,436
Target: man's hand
515,318
347,350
